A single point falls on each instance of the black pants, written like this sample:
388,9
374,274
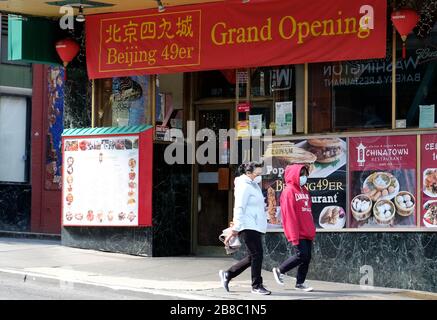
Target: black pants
301,260
254,259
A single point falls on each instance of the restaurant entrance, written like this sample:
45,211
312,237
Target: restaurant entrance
212,182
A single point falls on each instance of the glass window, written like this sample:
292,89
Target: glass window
350,95
170,100
13,139
416,79
216,84
124,101
272,85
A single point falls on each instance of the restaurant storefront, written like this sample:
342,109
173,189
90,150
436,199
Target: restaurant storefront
329,83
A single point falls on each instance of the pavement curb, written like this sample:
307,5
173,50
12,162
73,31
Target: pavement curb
30,235
419,294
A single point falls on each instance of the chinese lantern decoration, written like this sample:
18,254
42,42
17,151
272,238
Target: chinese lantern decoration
67,49
404,21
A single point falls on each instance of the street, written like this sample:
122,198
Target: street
19,287
36,269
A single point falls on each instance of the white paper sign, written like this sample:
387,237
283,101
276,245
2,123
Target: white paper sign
100,181
284,118
255,124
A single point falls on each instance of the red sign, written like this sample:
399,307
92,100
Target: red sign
383,153
383,181
243,107
429,180
234,35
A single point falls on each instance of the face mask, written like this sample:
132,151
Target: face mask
303,180
258,179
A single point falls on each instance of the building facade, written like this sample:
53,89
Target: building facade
357,123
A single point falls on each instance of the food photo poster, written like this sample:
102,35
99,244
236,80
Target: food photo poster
326,159
383,181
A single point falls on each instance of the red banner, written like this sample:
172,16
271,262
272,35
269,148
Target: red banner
383,153
234,35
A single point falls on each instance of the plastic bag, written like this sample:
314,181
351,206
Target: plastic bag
234,243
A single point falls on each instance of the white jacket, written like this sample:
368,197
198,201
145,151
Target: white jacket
249,213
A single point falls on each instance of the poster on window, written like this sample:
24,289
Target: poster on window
326,159
383,181
129,100
429,181
284,118
55,87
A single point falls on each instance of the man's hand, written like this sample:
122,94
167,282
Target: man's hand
232,234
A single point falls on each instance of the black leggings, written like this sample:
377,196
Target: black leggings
254,259
301,260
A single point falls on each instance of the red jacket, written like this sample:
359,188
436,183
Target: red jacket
297,218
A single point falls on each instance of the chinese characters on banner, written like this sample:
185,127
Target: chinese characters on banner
383,181
428,179
146,41
221,36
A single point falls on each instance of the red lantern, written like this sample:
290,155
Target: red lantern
67,49
404,21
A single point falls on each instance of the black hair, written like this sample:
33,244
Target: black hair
249,167
305,169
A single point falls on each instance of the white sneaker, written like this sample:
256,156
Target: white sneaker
279,277
303,287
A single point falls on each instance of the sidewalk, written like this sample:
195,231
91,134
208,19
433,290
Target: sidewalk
180,277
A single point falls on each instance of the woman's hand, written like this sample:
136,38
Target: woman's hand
229,236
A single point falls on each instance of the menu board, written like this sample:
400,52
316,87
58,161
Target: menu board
383,181
429,181
326,159
100,184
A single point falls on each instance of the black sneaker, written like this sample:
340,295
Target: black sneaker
303,287
261,290
279,277
224,279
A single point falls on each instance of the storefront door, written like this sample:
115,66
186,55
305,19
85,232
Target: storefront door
212,185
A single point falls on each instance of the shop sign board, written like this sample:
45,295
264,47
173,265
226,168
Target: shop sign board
106,177
243,107
233,35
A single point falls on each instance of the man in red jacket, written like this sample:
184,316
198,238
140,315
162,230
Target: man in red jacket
298,224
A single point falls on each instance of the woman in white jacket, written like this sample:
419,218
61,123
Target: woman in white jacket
249,223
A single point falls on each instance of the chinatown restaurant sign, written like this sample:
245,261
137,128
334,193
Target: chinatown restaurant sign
226,35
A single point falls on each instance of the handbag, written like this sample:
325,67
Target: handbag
234,243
